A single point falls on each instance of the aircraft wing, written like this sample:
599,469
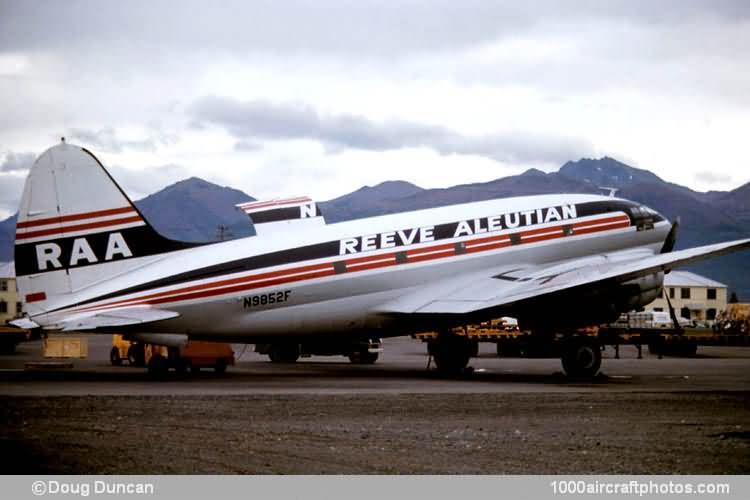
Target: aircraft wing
124,316
495,288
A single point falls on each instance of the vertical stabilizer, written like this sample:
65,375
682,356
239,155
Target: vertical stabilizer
76,228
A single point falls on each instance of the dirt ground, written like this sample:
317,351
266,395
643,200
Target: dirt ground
633,433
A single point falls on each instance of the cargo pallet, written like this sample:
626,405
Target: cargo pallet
660,341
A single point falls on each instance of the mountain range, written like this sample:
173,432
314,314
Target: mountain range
194,209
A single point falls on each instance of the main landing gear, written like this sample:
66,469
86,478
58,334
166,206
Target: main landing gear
452,352
581,357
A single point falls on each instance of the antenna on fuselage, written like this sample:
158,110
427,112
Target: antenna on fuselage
612,190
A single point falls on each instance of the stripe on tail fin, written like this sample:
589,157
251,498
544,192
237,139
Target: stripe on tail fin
282,215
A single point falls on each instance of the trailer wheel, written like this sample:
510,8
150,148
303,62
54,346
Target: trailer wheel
136,355
220,366
7,347
363,357
284,353
181,365
158,365
691,349
581,357
114,357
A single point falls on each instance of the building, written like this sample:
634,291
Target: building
693,296
10,303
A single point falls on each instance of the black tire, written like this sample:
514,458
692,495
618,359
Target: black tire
581,358
220,366
114,357
181,365
363,357
284,353
691,349
7,348
451,354
158,366
137,355
194,368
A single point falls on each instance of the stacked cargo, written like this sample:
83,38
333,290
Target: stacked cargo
734,320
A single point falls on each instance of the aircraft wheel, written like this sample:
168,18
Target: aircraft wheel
284,353
363,357
451,353
581,357
158,365
114,357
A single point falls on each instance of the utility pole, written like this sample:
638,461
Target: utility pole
222,232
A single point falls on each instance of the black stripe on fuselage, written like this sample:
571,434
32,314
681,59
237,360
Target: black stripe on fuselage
279,214
328,249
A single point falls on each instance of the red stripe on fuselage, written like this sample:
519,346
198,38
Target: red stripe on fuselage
367,262
215,284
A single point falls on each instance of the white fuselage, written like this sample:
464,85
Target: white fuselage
330,279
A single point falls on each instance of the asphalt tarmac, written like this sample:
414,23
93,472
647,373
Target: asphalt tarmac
326,415
401,368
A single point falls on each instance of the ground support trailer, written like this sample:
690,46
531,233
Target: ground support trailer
361,351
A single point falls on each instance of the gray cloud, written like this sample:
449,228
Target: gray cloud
364,28
11,188
710,177
136,183
261,120
17,162
139,183
107,140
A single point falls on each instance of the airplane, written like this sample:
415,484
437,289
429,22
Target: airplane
87,259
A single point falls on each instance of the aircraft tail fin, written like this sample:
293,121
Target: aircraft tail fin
75,228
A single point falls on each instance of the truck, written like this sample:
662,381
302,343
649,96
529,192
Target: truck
193,355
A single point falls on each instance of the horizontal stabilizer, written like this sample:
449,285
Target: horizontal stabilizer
24,323
125,316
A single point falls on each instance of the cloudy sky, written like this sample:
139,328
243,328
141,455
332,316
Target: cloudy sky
322,97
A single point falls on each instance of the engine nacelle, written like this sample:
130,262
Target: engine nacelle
592,306
642,291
